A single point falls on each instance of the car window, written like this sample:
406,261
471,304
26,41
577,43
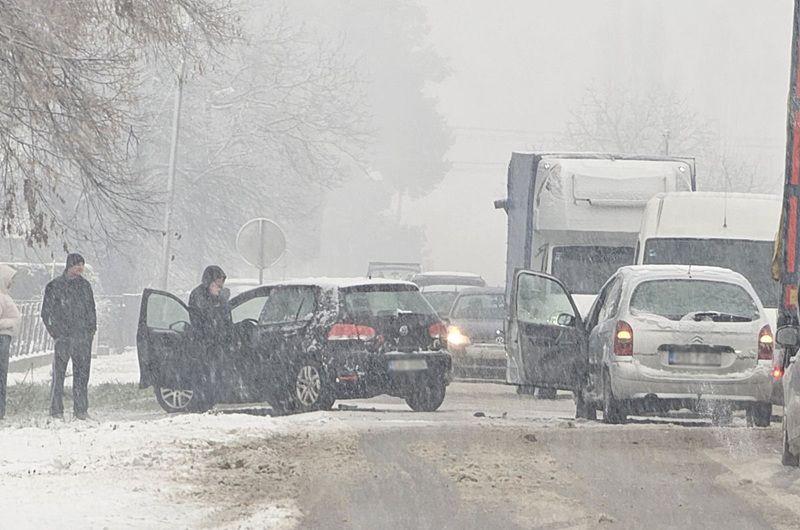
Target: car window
374,303
677,298
441,301
288,304
479,307
251,309
164,312
542,300
611,303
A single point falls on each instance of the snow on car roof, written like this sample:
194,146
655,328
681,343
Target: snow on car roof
696,271
434,274
343,282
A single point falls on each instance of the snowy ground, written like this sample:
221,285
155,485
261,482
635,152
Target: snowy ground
487,459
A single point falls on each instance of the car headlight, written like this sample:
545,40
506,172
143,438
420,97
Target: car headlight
456,338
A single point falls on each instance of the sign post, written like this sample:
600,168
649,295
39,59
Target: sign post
261,243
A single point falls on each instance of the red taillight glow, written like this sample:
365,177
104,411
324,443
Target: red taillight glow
343,331
438,330
623,339
777,373
765,344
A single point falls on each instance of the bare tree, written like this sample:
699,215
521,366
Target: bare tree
620,121
657,123
70,77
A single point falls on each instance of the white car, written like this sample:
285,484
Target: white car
658,338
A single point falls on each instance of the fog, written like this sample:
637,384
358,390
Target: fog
397,141
518,71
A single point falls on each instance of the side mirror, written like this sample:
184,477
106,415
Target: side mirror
788,336
566,320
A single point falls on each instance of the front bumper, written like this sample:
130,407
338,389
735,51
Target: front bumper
480,361
630,381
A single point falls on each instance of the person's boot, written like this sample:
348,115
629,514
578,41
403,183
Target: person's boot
83,416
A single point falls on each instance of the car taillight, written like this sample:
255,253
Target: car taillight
343,331
765,344
623,339
438,330
777,372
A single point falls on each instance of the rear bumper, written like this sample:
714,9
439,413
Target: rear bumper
480,361
629,382
368,374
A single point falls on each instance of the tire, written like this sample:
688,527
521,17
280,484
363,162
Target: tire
613,411
759,415
309,388
788,458
547,393
584,409
176,401
427,397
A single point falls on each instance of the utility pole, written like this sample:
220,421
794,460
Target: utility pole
173,160
665,134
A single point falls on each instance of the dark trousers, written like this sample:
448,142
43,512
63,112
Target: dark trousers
5,346
80,351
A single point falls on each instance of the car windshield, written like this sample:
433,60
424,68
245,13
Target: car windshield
584,269
441,301
384,301
751,259
479,307
677,298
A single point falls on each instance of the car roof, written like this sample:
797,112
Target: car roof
705,272
425,279
481,290
341,283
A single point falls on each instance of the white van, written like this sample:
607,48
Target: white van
731,230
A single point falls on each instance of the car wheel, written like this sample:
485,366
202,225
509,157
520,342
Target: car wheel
584,409
428,395
176,400
759,415
613,410
309,388
788,458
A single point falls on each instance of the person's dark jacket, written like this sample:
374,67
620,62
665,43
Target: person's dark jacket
211,316
68,308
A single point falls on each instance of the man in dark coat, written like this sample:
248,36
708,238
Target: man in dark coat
69,315
213,332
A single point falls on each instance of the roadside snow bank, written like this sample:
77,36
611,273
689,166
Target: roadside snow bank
130,474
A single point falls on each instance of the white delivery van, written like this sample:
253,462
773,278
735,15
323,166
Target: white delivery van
577,215
732,230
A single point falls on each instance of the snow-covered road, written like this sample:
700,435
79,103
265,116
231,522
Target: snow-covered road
488,458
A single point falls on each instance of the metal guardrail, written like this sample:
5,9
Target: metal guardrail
117,317
33,337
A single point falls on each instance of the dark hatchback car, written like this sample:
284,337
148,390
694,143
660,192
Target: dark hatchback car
301,345
475,335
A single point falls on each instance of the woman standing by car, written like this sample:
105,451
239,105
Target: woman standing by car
213,328
10,320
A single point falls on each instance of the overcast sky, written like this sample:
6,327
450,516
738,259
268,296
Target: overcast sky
519,66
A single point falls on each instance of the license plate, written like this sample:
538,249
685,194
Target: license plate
408,364
694,358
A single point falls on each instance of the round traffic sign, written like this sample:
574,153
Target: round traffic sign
261,243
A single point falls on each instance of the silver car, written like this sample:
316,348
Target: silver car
658,338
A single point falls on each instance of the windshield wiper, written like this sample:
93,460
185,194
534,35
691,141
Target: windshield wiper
717,316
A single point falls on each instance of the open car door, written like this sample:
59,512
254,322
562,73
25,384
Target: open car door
162,341
545,341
